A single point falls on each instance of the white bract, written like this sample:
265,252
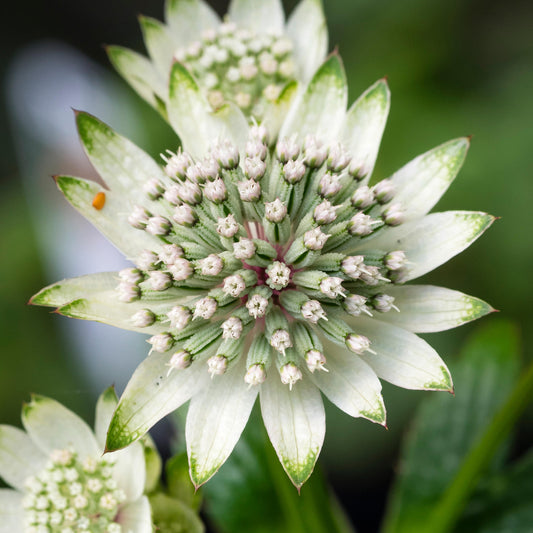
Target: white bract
281,287
61,481
248,59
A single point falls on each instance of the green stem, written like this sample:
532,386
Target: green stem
452,503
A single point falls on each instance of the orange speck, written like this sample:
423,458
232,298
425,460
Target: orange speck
99,200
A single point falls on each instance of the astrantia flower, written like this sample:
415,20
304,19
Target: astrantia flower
269,266
248,59
62,483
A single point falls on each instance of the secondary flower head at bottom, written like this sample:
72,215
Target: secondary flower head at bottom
62,483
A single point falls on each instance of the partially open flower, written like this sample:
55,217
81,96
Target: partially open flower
61,481
269,286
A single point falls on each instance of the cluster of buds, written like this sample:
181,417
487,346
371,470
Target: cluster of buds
72,495
237,65
260,244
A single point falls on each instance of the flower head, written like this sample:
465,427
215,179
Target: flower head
286,290
62,482
247,59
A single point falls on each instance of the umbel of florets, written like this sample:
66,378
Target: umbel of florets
266,263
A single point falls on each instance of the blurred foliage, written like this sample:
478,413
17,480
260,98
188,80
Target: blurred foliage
454,67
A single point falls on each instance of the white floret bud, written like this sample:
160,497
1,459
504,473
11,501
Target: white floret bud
194,49
139,217
227,227
280,340
243,100
217,365
107,501
290,374
357,343
281,46
249,190
355,304
360,225
338,157
172,195
271,92
170,254
315,360
130,275
177,164
161,342
329,185
247,67
275,211
260,133
184,215
278,275
315,239
394,215
128,292
143,318
286,68
244,248
293,171
158,225
215,191
205,308
332,287
179,317
287,149
147,260
232,328
209,168
233,75
255,375
353,266
384,303
363,197
179,361
189,192
315,152
267,63
384,191
181,269
255,148
395,260
234,285
313,311
211,265
372,276
154,189
325,212
194,173
254,168
160,281
226,154
257,306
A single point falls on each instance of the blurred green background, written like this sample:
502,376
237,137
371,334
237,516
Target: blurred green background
454,67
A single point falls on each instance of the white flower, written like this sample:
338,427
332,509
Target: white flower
60,479
247,60
291,286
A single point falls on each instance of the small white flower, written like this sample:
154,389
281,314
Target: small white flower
315,239
232,328
234,285
227,227
211,265
244,248
275,211
44,508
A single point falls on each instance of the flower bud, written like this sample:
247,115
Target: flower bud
275,211
315,239
290,374
357,343
158,225
278,275
161,342
215,191
244,248
179,317
315,360
211,265
160,281
143,318
227,227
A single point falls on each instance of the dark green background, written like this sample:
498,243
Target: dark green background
454,67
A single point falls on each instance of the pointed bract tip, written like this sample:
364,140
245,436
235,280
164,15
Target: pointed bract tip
385,79
452,391
494,310
469,137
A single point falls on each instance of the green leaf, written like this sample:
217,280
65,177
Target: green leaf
447,428
252,493
503,503
172,516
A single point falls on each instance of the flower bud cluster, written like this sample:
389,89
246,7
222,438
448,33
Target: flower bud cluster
238,65
72,495
259,241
